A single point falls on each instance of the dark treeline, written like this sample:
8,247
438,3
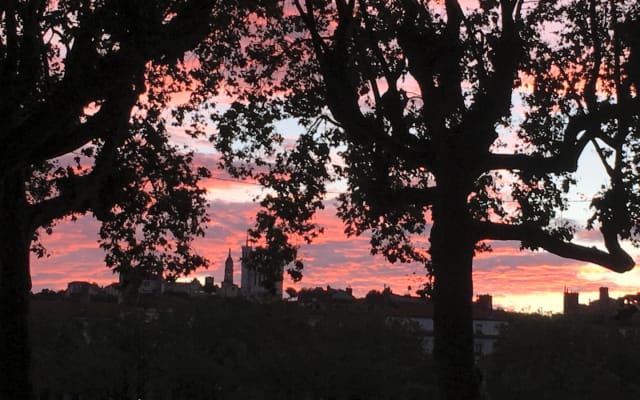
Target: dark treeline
540,358
214,349
222,350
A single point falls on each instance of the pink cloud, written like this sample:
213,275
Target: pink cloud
515,278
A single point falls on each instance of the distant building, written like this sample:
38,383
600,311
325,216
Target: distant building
604,306
485,334
82,288
629,308
322,298
253,279
157,285
228,270
487,323
571,306
250,276
112,289
228,288
484,302
209,285
85,292
189,288
151,286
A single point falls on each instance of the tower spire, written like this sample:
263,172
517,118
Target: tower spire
228,270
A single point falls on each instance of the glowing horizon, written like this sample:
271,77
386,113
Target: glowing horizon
517,280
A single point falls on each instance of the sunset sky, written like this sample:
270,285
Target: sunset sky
521,281
518,280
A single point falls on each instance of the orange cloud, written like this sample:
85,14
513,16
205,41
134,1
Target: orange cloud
517,280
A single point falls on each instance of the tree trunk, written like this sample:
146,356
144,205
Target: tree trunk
452,248
15,286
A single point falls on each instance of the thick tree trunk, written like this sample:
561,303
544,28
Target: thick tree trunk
15,286
452,248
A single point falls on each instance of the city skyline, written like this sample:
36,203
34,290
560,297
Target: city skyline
517,280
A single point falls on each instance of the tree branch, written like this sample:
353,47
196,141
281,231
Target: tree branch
590,95
342,92
493,99
566,160
182,33
450,69
89,76
603,158
78,197
48,133
390,104
81,193
615,259
422,49
307,16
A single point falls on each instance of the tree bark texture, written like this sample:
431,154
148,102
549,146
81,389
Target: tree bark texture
15,286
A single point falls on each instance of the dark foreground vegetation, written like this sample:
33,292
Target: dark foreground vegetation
543,358
210,349
178,348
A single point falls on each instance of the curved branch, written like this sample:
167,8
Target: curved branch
78,197
615,258
342,92
63,136
81,193
47,132
567,158
307,16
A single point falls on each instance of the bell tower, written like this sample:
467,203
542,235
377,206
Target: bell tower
228,270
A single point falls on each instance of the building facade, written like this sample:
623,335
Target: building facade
228,288
253,280
571,305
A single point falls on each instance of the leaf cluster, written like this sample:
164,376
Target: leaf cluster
422,99
86,110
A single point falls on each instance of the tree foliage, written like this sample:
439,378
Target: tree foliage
385,83
463,121
84,113
85,88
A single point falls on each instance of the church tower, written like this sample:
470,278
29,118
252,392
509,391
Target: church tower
228,270
253,279
571,304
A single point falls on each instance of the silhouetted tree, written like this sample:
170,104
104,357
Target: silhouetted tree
84,89
291,292
416,107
